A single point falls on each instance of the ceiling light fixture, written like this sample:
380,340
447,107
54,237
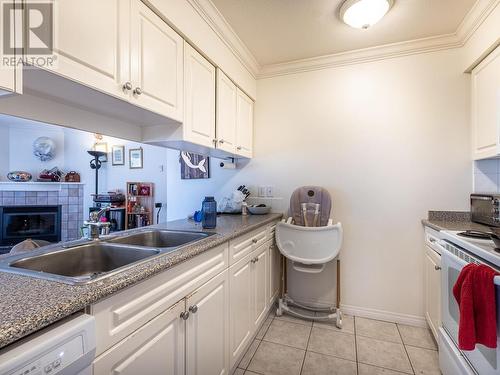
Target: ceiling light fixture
362,14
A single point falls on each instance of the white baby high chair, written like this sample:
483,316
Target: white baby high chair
309,240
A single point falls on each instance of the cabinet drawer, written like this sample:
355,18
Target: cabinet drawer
244,245
123,313
156,348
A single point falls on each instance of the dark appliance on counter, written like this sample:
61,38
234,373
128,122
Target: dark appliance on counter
19,223
485,209
110,199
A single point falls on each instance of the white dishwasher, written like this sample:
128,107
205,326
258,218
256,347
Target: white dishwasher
64,348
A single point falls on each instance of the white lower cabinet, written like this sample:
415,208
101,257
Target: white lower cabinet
207,328
240,307
248,285
432,279
214,312
260,282
157,348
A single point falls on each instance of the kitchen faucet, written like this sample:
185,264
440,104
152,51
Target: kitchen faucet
95,225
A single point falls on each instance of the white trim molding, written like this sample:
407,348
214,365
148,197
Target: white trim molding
35,186
387,316
474,18
212,16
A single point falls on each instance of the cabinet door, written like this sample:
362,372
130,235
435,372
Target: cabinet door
260,284
92,43
244,124
207,329
199,98
432,279
485,95
157,348
240,307
274,271
156,63
226,113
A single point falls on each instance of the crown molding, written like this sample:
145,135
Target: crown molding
474,18
212,16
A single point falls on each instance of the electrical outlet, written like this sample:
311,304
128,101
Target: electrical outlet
269,191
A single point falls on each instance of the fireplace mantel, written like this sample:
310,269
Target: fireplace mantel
34,186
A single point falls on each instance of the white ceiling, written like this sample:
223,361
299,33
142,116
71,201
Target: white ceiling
279,31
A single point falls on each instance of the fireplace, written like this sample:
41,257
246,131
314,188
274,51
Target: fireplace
36,222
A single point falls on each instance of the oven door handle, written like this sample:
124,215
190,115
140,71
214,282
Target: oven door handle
462,263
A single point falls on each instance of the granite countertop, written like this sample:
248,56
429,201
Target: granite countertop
452,220
28,304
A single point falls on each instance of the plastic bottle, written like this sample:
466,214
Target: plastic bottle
209,210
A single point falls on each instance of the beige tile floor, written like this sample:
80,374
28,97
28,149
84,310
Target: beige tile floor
290,346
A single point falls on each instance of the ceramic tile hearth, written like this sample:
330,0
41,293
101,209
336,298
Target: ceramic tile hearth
69,197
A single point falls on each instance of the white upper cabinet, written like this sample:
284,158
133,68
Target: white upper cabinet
92,44
156,63
226,113
199,98
244,125
121,48
234,118
485,108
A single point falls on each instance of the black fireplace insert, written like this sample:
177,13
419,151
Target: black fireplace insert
19,223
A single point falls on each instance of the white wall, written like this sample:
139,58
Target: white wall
16,145
185,196
390,141
161,166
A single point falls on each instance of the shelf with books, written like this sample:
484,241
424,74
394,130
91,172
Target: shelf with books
139,204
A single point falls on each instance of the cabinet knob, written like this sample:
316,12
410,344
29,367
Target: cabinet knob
255,260
214,141
437,268
127,86
254,240
185,315
137,91
221,141
193,309
238,148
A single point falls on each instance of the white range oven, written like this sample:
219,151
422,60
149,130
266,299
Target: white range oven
457,252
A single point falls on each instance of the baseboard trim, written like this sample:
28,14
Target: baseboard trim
363,312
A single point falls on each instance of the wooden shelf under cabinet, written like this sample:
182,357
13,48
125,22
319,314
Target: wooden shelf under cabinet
141,196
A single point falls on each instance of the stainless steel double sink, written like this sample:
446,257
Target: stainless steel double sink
94,260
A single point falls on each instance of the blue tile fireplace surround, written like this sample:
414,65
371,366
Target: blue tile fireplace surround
69,197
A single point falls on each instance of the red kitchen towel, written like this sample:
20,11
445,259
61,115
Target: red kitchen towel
475,294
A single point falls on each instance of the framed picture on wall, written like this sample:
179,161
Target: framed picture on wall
135,158
118,155
194,166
